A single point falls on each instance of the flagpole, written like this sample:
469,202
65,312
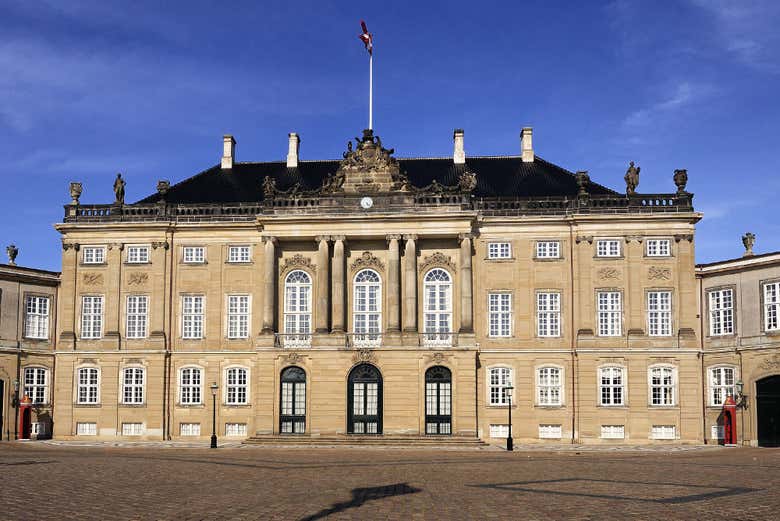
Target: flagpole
371,91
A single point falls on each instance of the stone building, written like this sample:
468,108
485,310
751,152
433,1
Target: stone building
741,344
375,295
28,300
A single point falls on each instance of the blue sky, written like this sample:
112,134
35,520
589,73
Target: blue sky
90,88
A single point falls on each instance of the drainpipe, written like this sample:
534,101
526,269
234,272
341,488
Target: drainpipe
572,337
701,358
18,359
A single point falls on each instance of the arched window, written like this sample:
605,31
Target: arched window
611,386
133,385
437,307
438,400
499,378
548,386
662,385
35,384
236,386
367,308
297,309
88,379
190,380
292,417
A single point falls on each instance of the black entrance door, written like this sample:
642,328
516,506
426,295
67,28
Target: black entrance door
438,400
364,407
768,409
292,419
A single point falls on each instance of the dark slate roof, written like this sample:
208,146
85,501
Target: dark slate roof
505,176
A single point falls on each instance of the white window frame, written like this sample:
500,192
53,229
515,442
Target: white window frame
545,388
34,388
721,311
505,377
771,295
298,314
189,429
663,432
609,315
499,430
37,310
193,254
659,313
500,314
437,318
239,316
191,388
132,429
136,316
93,254
92,322
667,391
548,314
499,250
548,249
235,386
363,335
718,392
138,254
550,431
656,247
604,248
233,429
87,389
239,254
193,324
132,386
611,387
86,428
613,432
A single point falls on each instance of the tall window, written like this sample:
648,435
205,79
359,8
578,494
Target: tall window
194,254
662,386
36,317
721,384
192,316
771,306
190,379
500,314
88,385
133,385
367,311
548,250
721,312
137,254
297,308
499,379
292,418
659,313
608,248
548,386
238,316
239,254
137,309
437,307
658,247
94,255
610,313
91,317
611,385
35,384
236,388
548,314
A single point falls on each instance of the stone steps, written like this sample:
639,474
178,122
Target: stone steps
369,440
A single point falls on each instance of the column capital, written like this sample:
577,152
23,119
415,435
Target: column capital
410,236
269,238
319,238
341,238
393,237
464,236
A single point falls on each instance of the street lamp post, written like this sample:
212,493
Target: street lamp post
214,388
509,442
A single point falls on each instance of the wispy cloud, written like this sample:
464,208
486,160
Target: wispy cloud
679,95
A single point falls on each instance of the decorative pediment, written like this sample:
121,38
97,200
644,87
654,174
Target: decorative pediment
364,356
297,261
437,260
367,260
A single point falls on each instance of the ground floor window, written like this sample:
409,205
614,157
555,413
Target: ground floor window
663,432
499,430
613,432
86,429
235,429
189,429
550,431
132,429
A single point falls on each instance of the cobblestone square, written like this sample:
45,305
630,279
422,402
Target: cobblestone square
44,481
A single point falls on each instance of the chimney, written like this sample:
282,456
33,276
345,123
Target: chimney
526,144
228,151
458,155
292,150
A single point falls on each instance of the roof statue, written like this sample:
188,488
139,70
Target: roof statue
369,167
12,252
75,193
748,240
269,187
680,179
119,189
632,178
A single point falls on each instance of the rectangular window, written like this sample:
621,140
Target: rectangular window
721,312
499,250
235,429
608,248
611,385
548,314
133,385
499,379
38,428
721,384
548,250
662,386
239,254
189,386
610,313
88,391
771,306
91,317
194,254
94,255
189,429
659,247
499,430
500,314
137,254
663,432
137,309
86,429
550,432
132,429
36,317
236,389
238,316
716,432
659,313
613,432
548,386
192,316
35,384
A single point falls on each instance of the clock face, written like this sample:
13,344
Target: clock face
366,203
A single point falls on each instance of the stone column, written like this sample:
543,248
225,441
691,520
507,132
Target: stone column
321,312
269,276
466,293
337,300
410,284
393,284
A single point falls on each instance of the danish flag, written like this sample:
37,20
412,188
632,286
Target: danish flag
367,38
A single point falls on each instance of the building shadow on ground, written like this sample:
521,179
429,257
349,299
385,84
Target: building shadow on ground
363,495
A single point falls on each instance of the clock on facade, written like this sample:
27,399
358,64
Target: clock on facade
366,203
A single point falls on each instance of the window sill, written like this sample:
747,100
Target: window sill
500,259
552,407
651,407
132,405
93,264
239,263
514,406
191,405
237,405
617,407
148,263
87,406
193,263
548,259
618,257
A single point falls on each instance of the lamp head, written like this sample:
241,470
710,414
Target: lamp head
214,388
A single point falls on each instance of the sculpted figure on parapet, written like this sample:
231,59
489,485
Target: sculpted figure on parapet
119,189
632,178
